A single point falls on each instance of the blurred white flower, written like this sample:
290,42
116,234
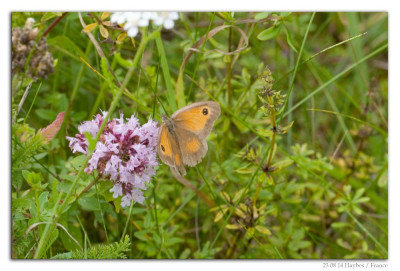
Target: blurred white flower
166,19
133,20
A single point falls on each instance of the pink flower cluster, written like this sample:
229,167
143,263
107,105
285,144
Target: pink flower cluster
124,154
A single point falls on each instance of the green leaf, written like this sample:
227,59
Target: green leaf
227,16
89,204
284,129
246,169
50,15
270,33
77,162
106,73
338,225
122,61
285,14
359,193
218,216
66,44
290,41
261,15
185,254
285,162
172,241
249,233
21,204
141,235
33,179
232,227
238,195
265,132
43,199
263,230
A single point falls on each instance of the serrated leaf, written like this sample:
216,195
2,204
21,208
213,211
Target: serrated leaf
104,32
270,33
261,15
263,230
89,28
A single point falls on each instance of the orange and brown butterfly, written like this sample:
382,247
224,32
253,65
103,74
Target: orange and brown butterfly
182,137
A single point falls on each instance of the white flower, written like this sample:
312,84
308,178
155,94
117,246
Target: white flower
131,20
165,18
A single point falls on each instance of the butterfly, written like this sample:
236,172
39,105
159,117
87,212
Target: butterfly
182,137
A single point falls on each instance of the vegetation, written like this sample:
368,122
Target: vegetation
297,162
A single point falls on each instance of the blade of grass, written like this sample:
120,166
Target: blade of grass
296,66
381,131
368,233
336,77
166,74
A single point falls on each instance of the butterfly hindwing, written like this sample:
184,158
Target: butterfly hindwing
193,148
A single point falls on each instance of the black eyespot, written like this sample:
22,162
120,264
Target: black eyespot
205,111
162,148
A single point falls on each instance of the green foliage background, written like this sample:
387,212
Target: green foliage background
314,187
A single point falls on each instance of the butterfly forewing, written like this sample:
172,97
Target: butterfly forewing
168,150
197,118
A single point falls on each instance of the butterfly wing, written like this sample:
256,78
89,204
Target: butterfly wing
197,118
193,124
169,151
193,148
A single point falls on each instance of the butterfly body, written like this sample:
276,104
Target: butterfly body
182,137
